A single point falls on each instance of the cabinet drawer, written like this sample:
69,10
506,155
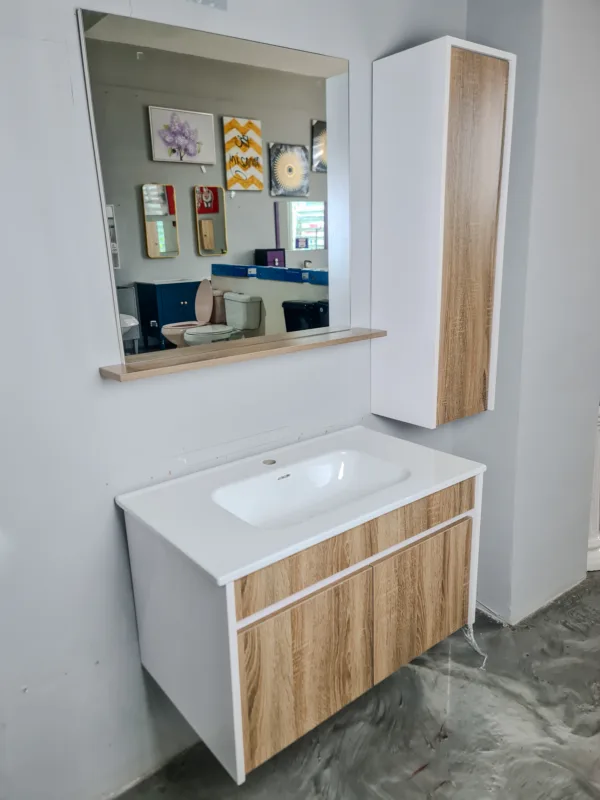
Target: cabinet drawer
274,583
420,596
301,665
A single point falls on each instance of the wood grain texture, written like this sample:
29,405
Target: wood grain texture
478,93
421,596
305,663
152,243
207,234
202,356
420,516
293,574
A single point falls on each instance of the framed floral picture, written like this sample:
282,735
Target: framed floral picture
186,137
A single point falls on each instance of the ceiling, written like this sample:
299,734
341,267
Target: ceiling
126,30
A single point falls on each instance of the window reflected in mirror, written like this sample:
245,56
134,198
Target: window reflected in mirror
301,225
205,255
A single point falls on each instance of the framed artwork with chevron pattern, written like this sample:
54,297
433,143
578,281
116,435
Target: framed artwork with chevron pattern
243,154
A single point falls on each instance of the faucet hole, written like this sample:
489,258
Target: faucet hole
268,462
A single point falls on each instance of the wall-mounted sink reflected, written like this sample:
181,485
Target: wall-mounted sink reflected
308,488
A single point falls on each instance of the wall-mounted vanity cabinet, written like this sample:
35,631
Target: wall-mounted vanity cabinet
442,122
260,616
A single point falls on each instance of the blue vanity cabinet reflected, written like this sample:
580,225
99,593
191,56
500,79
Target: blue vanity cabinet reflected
163,304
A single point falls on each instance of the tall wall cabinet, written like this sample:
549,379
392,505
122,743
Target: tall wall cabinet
442,123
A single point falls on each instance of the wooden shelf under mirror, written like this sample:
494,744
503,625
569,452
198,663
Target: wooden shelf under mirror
185,359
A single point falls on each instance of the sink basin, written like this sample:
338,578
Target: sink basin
238,517
308,488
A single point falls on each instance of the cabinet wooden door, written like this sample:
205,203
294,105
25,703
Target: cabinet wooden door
476,124
421,596
301,665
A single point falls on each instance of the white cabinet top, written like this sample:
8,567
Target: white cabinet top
235,519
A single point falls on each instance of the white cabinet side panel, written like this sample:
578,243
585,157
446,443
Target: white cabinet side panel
475,539
410,122
184,638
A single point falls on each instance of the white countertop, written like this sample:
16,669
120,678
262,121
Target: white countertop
184,513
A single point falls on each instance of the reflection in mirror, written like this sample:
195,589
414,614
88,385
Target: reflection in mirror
113,236
211,221
236,275
301,225
160,218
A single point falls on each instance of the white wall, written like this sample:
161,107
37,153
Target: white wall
77,719
542,434
560,387
538,443
515,26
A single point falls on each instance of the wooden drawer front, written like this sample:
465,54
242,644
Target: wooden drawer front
284,578
421,596
420,516
290,575
301,665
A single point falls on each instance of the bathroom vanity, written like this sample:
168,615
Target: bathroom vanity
272,591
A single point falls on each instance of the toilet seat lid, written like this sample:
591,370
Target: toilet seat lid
204,302
206,331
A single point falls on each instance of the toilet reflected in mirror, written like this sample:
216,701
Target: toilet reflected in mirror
220,316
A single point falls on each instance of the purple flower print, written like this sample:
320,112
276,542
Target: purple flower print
180,138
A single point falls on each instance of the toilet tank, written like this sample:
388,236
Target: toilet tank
242,311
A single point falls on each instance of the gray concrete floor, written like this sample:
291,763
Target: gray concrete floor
525,728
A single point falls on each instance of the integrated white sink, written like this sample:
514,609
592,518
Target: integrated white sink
236,518
306,489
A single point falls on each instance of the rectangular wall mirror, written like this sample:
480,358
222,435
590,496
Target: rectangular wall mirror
211,221
210,132
160,220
